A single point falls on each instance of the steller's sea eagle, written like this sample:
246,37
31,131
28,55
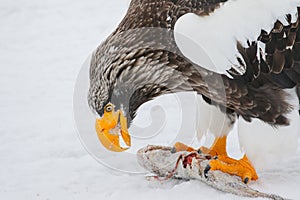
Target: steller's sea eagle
151,53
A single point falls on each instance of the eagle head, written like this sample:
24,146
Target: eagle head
110,110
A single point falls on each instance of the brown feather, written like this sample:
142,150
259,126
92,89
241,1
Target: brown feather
278,62
140,54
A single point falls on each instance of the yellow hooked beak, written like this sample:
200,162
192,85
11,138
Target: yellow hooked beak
108,128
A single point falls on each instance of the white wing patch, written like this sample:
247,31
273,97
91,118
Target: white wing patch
211,41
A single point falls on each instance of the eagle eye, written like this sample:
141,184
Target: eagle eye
109,108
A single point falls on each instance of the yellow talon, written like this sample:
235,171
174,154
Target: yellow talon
182,147
108,128
242,168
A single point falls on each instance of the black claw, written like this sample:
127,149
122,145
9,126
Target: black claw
199,151
206,170
173,150
246,180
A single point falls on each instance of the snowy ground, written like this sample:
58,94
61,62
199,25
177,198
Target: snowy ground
42,46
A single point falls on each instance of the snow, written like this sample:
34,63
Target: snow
43,45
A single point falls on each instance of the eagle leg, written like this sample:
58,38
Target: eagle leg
242,168
218,147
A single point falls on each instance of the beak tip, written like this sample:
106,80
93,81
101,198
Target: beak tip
112,141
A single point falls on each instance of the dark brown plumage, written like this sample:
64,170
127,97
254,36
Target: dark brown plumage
141,60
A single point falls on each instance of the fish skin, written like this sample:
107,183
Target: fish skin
161,161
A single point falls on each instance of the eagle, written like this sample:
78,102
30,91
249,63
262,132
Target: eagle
156,50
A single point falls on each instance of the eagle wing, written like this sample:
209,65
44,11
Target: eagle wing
143,48
271,64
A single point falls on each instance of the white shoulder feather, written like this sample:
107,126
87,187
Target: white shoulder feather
210,41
